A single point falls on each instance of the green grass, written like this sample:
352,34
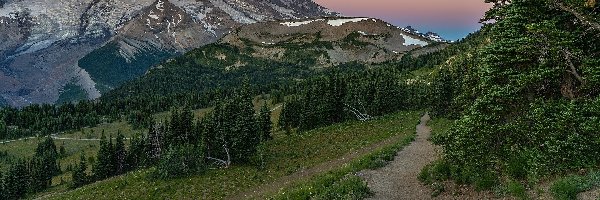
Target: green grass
285,155
110,129
568,187
25,149
435,173
342,183
439,126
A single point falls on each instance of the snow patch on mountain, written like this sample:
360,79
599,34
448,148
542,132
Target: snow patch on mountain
412,41
160,5
293,24
153,16
339,22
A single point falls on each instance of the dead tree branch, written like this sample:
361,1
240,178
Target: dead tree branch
359,115
579,16
573,69
224,163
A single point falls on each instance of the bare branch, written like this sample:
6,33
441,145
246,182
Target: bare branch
222,162
359,115
579,16
572,66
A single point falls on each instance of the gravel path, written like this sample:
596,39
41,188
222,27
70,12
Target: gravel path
398,180
261,191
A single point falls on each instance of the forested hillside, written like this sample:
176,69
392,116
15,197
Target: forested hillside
208,78
525,94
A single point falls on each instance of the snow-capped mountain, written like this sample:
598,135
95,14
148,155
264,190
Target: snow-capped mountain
330,40
47,44
429,35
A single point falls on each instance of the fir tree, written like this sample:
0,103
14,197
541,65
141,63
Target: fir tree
80,176
104,165
264,123
136,156
16,181
120,155
39,179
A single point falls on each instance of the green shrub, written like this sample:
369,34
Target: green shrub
435,172
349,187
568,188
180,161
516,189
485,180
517,167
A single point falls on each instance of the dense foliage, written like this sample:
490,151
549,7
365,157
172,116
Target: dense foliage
339,95
109,68
31,176
71,93
178,147
525,93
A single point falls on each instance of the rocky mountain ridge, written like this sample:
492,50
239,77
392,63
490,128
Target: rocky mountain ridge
42,42
330,41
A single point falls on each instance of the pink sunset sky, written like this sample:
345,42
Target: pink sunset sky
453,19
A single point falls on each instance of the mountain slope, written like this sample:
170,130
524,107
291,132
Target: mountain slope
332,40
43,41
288,51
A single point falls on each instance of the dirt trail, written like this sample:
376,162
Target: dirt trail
261,191
398,180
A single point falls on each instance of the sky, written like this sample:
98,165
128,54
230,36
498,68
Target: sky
452,19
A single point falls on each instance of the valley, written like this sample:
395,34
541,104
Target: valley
223,99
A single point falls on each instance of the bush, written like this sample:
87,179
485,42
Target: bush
434,172
516,189
568,188
181,161
349,187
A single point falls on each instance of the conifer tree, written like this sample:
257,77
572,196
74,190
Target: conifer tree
3,192
16,182
80,176
155,143
39,179
244,136
136,156
264,123
104,167
120,155
47,152
3,130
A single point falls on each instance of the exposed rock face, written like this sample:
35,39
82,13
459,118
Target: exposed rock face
334,40
43,41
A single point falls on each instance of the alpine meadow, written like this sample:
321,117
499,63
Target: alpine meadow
281,99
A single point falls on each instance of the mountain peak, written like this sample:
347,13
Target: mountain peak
429,35
46,40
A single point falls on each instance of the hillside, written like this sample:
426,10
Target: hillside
297,109
275,60
230,105
286,155
43,42
326,41
524,99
